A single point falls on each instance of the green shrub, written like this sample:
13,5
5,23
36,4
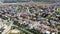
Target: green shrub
59,10
58,27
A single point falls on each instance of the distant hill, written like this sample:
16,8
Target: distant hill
51,1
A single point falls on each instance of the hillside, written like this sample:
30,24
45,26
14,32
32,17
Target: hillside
51,1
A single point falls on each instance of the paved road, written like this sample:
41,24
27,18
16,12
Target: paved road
22,29
13,3
7,29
